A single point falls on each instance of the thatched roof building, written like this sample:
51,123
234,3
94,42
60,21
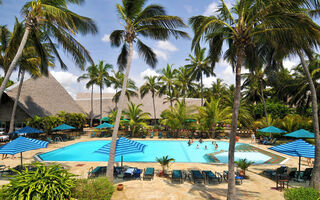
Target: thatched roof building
43,96
83,99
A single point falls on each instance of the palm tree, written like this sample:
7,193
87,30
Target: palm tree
164,161
167,78
151,85
117,82
176,117
4,41
137,117
217,90
199,65
212,112
184,82
137,20
255,84
52,20
90,76
245,26
102,79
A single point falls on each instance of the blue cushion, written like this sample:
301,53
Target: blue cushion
176,174
149,171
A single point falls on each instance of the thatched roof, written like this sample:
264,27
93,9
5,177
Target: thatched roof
44,96
83,99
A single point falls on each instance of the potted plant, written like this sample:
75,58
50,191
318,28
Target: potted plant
164,161
243,164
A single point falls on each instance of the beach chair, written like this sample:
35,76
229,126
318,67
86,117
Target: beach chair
160,135
168,135
137,174
211,177
152,134
306,175
98,171
196,176
238,178
49,140
272,142
129,173
148,173
177,176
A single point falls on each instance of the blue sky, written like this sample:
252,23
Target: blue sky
103,12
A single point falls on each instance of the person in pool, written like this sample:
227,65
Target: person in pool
205,147
200,140
197,146
216,146
189,142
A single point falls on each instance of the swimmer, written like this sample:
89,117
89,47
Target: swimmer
205,147
197,146
216,146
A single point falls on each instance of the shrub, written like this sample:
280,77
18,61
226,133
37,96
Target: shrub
301,194
89,189
44,182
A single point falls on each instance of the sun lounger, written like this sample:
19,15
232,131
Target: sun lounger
98,171
137,174
271,142
148,173
168,135
306,175
210,176
160,135
129,173
196,176
177,176
152,134
238,178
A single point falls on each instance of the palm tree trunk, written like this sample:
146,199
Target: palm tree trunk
14,61
100,103
264,103
169,94
316,169
154,110
201,88
14,109
236,104
117,122
91,114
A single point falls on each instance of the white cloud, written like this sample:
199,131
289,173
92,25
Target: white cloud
290,64
161,54
148,72
211,9
224,71
67,80
166,45
106,38
207,81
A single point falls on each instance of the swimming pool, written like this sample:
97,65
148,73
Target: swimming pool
179,150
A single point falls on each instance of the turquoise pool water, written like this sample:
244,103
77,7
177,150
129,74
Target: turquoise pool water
179,150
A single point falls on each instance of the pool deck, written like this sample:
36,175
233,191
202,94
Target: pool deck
257,187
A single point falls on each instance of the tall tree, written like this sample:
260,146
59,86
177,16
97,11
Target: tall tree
102,79
245,26
139,20
91,77
117,82
167,78
184,82
151,85
5,35
199,65
53,21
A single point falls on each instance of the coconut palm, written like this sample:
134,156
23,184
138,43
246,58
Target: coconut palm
4,44
137,118
199,65
52,21
117,80
167,79
184,82
139,20
151,85
217,90
102,79
244,27
212,112
164,161
90,76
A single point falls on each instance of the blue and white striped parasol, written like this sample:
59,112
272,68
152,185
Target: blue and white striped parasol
298,148
22,144
26,130
123,146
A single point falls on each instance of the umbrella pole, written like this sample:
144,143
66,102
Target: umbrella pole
121,161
